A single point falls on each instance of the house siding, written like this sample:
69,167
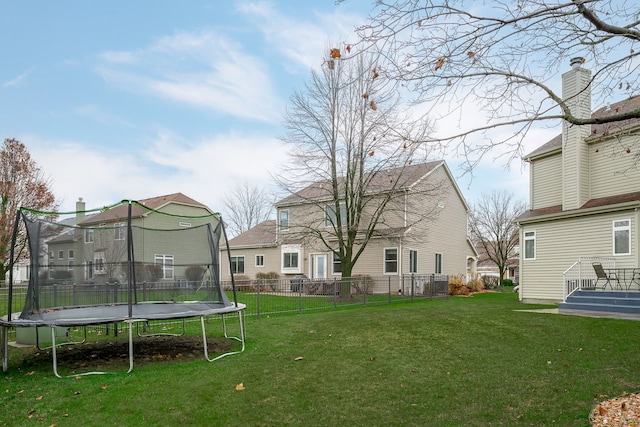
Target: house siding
561,242
612,168
546,176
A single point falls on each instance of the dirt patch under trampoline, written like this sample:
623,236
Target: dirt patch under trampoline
110,354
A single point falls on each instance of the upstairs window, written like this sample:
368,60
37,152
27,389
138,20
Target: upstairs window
331,219
119,232
283,219
88,235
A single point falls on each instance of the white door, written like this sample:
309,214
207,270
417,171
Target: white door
318,266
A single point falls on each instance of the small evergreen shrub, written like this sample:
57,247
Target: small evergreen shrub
507,282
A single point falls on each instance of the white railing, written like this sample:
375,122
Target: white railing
581,274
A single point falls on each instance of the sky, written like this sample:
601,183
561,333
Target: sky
120,100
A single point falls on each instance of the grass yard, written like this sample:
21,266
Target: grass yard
457,362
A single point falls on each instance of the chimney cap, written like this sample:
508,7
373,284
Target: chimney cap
577,61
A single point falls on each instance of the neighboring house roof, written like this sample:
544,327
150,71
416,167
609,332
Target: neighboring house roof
262,235
484,261
392,179
121,212
597,130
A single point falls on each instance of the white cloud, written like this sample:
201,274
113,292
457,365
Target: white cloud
201,69
303,43
18,80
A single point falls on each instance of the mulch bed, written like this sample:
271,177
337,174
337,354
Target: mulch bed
617,412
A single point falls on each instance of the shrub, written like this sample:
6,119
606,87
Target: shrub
457,286
475,284
507,282
272,275
490,282
362,284
194,273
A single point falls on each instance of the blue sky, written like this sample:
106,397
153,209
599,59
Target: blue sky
133,99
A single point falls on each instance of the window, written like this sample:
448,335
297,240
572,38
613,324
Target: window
291,257
119,232
98,262
438,266
60,254
166,263
390,260
622,237
290,260
237,264
413,261
337,264
259,260
283,217
530,245
88,235
330,215
70,266
70,254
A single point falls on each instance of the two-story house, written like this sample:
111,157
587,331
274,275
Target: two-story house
584,195
95,249
403,244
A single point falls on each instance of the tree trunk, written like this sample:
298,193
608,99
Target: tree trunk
345,283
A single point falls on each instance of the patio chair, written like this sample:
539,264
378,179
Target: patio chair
608,279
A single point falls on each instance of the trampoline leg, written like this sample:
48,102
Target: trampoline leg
224,328
4,343
130,347
54,354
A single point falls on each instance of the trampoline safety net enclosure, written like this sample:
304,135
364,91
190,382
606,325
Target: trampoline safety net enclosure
122,263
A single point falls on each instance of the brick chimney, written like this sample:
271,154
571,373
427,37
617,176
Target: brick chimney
576,93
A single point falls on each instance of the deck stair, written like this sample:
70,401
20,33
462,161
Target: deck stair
602,301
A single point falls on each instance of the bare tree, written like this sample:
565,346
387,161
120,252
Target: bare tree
351,145
503,59
493,227
245,207
22,184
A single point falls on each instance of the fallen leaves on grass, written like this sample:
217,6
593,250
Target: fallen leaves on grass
299,358
617,412
240,387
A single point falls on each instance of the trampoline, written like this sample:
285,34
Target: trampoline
127,263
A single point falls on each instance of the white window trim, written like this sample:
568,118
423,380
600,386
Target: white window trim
384,261
161,260
535,244
286,249
613,236
256,261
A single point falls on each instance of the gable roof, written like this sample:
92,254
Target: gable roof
597,130
392,179
155,203
262,235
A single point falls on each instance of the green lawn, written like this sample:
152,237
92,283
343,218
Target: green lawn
457,362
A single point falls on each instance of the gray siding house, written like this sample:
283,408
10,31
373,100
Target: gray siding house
584,197
439,245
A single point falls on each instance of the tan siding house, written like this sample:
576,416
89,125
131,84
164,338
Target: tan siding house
437,244
585,197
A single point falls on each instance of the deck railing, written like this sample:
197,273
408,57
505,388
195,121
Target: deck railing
581,274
